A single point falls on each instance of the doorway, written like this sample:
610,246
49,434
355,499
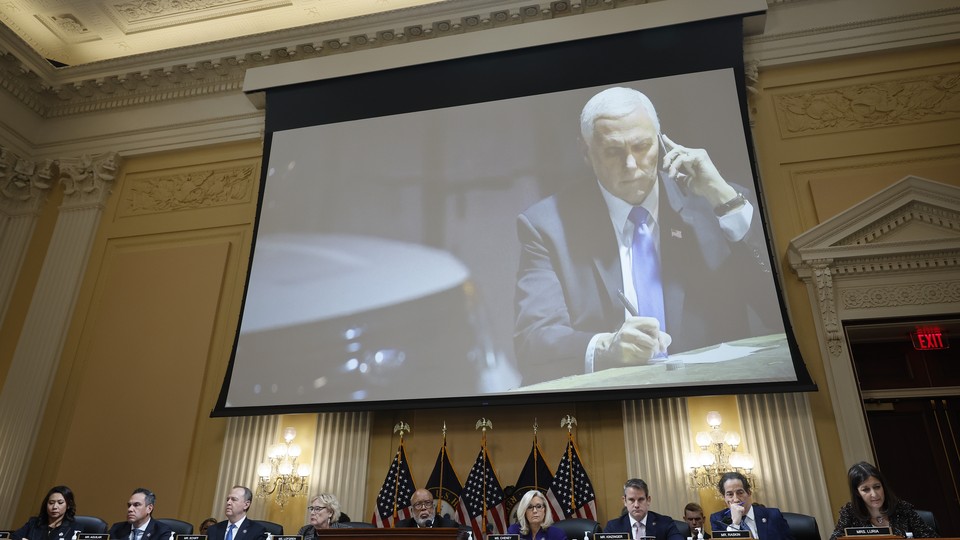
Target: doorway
911,400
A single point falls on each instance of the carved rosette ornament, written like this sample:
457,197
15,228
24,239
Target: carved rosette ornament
823,279
86,180
24,184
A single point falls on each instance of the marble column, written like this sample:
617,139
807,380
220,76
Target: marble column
86,182
24,185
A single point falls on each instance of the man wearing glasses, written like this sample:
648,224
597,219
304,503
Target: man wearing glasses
637,519
424,512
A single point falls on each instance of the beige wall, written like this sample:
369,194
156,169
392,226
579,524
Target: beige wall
153,327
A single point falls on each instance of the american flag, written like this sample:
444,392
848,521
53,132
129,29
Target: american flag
483,484
571,493
393,502
534,475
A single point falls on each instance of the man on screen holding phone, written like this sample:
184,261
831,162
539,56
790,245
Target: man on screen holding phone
655,255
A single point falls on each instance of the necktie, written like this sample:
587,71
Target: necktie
646,268
134,534
638,530
230,531
745,525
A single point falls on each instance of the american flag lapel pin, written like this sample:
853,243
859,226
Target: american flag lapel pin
676,233
763,520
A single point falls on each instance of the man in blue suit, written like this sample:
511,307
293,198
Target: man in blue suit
639,521
237,526
762,522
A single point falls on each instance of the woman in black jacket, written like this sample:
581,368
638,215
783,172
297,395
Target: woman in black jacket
55,520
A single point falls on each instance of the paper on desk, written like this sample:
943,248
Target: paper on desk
721,353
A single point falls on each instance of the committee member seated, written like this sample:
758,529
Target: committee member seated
741,515
140,524
873,504
324,513
693,515
237,526
55,519
639,521
657,221
424,512
534,520
205,524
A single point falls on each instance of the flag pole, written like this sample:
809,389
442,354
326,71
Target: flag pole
568,422
402,427
484,424
536,472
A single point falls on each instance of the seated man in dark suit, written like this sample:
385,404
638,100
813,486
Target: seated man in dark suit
139,524
693,515
762,522
237,526
424,511
639,521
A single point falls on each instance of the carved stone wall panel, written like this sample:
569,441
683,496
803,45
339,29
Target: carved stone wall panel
898,296
171,192
868,105
141,15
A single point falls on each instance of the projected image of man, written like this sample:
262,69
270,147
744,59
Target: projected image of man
658,222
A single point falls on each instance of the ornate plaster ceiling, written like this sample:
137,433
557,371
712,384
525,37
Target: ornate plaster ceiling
74,32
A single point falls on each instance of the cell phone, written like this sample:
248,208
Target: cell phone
681,179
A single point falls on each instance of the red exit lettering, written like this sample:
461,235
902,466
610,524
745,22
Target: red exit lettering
926,341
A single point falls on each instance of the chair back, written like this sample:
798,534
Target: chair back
275,529
927,517
90,524
683,527
575,527
178,526
802,526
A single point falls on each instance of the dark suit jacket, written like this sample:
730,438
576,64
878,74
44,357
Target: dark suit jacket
34,529
771,524
570,273
251,530
438,521
660,526
155,531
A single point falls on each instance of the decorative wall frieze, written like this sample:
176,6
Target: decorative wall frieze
24,183
140,15
87,180
915,211
223,74
898,296
868,105
187,191
897,263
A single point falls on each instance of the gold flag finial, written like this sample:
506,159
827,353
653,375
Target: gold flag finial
484,424
568,422
402,427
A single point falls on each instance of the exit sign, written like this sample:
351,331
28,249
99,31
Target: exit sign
929,339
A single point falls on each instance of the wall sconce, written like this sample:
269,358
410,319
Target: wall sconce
280,475
718,454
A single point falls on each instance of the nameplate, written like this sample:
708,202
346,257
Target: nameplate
190,537
503,537
731,534
286,537
611,536
4,534
868,531
93,536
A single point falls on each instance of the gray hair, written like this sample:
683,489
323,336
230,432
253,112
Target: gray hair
148,496
331,501
615,102
522,511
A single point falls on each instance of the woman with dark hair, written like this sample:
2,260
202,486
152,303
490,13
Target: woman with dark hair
55,520
873,504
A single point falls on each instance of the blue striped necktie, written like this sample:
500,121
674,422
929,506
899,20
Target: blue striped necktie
646,268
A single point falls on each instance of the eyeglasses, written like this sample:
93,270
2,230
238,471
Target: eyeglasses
422,505
315,509
536,507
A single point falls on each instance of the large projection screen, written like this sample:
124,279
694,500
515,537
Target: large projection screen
390,265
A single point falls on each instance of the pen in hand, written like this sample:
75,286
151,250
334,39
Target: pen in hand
631,309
